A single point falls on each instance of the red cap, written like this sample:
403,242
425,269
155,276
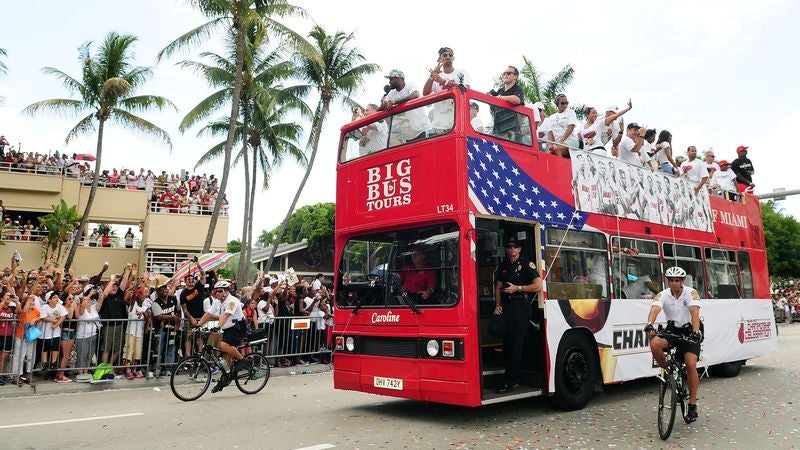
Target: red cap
724,163
741,148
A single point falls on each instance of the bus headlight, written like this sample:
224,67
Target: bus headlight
432,348
350,343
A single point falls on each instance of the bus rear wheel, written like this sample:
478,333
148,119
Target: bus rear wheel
728,369
576,373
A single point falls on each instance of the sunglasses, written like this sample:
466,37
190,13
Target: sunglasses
563,103
512,246
509,73
447,55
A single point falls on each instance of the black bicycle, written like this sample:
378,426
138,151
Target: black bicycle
673,388
193,374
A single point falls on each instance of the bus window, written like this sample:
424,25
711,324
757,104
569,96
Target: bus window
689,258
420,266
416,124
500,122
634,277
578,268
723,277
747,275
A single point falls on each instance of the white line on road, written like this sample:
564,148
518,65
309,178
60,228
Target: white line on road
83,419
317,447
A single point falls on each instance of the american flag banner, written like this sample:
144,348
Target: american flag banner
498,185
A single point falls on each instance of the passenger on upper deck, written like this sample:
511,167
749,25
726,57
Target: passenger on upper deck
663,153
743,168
443,77
474,120
562,125
631,145
694,169
592,132
614,128
506,124
725,179
410,125
373,136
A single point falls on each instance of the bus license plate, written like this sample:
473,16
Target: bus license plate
389,383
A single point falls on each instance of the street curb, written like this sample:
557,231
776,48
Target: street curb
46,387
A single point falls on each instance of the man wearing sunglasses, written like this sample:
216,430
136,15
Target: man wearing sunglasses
442,78
517,278
506,124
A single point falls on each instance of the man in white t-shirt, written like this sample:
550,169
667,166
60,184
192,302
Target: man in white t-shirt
410,125
725,179
631,145
711,165
374,136
695,170
443,77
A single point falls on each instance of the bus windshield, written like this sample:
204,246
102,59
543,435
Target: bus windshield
418,266
417,124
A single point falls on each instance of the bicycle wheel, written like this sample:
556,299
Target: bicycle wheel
667,400
253,375
190,379
683,398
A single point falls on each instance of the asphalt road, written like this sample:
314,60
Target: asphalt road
758,409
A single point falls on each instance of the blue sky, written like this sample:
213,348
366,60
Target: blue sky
716,74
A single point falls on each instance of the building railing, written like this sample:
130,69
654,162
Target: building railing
137,345
172,208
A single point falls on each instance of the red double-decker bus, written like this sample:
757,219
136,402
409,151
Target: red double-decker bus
426,195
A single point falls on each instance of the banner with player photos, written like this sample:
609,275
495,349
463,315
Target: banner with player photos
609,186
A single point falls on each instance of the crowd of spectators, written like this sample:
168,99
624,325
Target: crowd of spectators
786,304
140,324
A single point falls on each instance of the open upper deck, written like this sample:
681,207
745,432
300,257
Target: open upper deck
428,158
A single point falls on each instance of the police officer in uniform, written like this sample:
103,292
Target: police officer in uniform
517,279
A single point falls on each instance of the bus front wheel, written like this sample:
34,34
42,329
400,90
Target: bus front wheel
576,373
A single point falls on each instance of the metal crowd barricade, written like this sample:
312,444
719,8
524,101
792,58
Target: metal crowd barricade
81,349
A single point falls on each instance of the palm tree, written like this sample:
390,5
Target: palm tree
60,226
335,71
262,97
235,16
106,91
538,90
3,69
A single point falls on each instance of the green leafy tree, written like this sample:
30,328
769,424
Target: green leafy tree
782,236
3,69
235,17
315,223
537,89
234,246
335,70
106,90
60,224
264,130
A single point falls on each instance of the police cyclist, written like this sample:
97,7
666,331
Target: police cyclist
517,277
231,322
681,305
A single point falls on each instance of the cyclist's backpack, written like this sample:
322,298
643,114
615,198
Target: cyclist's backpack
102,370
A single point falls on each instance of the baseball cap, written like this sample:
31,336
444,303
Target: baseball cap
396,73
87,288
633,125
741,148
538,105
84,278
474,105
724,163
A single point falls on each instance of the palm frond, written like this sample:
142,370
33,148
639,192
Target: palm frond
142,103
65,107
192,37
205,109
71,84
139,125
213,153
84,126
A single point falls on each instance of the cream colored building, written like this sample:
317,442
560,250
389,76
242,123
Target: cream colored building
167,239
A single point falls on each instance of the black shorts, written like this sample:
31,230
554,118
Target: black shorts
682,347
232,336
6,343
50,345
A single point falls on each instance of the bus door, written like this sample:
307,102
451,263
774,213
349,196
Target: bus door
491,235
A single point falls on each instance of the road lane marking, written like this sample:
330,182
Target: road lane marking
82,419
317,447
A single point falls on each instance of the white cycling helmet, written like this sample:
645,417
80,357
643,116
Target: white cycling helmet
222,284
675,272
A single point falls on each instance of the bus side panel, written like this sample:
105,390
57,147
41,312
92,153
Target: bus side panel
734,330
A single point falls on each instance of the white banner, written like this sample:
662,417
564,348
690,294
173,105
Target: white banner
609,186
734,330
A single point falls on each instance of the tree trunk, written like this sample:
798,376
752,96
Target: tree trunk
241,274
323,112
250,208
90,200
226,168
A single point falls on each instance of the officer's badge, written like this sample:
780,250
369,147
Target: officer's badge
519,267
532,265
231,305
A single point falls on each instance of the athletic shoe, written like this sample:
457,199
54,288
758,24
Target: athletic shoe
62,379
691,414
128,375
138,374
214,370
